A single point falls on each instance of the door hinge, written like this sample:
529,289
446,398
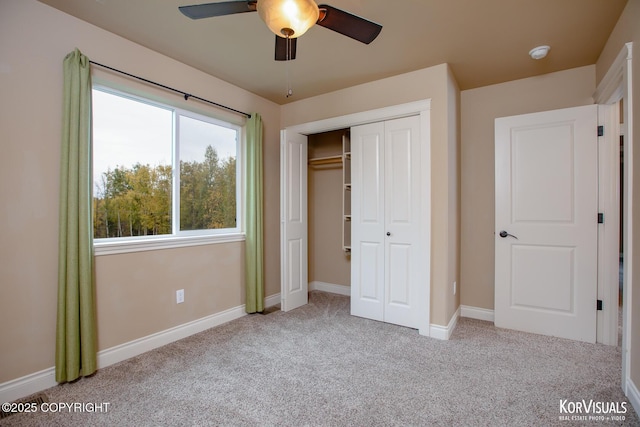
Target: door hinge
600,218
599,305
601,130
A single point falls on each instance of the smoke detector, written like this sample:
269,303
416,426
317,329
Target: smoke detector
539,52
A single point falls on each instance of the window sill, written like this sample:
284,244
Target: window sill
153,244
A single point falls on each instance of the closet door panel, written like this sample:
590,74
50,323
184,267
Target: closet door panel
402,221
398,180
399,273
294,225
370,196
367,221
386,222
371,253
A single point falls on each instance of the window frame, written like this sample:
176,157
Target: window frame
178,238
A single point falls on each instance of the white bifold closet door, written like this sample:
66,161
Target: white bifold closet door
387,249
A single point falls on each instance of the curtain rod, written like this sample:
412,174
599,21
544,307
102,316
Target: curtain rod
185,94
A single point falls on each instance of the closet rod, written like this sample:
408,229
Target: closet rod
185,94
325,160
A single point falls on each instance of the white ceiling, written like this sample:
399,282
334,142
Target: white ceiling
484,41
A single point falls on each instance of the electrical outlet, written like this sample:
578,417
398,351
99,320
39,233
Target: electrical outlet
179,296
455,287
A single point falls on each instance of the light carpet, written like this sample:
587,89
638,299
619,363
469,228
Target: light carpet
319,366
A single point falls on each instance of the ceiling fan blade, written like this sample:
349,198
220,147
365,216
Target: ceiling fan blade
350,25
281,48
208,10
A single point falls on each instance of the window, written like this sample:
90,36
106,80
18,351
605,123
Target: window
161,172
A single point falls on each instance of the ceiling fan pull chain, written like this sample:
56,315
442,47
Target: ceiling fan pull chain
288,65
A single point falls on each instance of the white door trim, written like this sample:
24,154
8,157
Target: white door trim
616,85
361,118
421,108
609,231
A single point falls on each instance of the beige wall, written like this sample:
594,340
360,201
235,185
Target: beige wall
628,30
480,108
435,83
135,291
455,196
328,263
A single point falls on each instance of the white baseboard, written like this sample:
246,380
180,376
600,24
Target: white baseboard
274,299
633,395
42,380
477,313
444,332
133,348
29,384
330,287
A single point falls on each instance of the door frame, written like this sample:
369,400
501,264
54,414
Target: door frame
616,85
421,108
609,231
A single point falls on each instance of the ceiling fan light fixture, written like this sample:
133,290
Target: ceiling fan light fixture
288,18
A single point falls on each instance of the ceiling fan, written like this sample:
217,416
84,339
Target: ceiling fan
289,19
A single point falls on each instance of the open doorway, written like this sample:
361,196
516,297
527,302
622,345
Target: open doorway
620,111
614,90
329,222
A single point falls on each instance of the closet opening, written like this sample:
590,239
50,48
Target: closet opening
621,235
329,211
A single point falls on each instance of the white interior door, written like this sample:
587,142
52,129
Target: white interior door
367,221
293,228
546,223
386,236
403,222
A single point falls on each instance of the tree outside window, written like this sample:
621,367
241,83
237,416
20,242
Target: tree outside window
136,190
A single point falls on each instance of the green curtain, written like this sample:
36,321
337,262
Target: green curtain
254,272
76,321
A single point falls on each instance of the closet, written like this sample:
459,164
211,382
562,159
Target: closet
388,248
380,180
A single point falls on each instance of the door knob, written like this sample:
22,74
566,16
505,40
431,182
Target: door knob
388,233
504,234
